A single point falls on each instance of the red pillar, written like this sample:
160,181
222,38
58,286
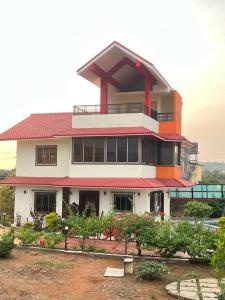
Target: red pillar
103,96
147,96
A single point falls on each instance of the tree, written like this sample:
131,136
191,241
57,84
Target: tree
198,210
7,197
213,177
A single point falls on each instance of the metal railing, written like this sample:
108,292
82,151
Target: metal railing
121,108
165,117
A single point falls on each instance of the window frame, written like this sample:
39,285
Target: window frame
45,146
118,194
105,142
42,192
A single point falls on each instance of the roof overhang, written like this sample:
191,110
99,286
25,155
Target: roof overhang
118,183
111,56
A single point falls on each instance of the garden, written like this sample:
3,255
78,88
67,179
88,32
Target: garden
156,243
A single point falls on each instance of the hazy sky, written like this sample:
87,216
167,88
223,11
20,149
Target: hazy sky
42,43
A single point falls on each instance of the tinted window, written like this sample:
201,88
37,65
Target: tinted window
132,149
123,202
121,149
99,150
88,150
78,150
44,202
166,154
111,150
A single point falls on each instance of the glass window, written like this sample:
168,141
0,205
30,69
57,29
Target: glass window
132,149
177,154
78,150
46,155
123,202
122,149
148,151
88,150
111,149
44,202
99,150
166,154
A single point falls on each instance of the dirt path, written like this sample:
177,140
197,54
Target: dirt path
38,275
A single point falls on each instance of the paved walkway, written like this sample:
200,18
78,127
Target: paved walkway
206,289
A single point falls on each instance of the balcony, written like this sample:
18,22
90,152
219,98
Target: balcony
121,108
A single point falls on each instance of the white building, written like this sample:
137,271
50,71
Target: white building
122,155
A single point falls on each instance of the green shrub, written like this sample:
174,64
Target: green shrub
198,210
202,244
53,222
27,235
218,260
6,244
167,240
217,209
85,227
150,270
50,239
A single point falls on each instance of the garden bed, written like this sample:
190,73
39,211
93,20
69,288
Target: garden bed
42,275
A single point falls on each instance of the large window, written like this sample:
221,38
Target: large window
132,149
122,149
123,202
148,151
125,150
99,150
111,150
44,202
168,154
46,155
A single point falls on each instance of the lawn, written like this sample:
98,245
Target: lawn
44,275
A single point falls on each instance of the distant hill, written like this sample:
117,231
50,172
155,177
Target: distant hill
211,166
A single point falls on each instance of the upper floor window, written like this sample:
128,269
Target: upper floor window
46,155
111,150
168,154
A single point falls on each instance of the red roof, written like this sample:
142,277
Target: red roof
129,183
38,126
50,125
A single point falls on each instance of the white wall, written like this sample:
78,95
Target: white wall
25,160
114,171
115,120
24,200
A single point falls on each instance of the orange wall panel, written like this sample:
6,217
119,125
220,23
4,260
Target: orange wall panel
166,172
174,126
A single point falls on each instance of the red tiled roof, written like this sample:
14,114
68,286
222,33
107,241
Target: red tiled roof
50,125
38,126
130,183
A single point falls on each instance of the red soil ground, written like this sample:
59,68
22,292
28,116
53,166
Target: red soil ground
37,275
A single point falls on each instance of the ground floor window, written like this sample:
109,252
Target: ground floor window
44,202
123,202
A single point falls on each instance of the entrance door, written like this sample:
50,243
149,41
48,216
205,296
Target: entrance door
89,202
157,202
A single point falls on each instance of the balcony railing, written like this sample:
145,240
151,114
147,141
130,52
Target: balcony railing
120,108
165,117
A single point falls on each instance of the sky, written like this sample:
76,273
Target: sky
43,43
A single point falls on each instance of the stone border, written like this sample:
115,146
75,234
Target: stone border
106,255
193,289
